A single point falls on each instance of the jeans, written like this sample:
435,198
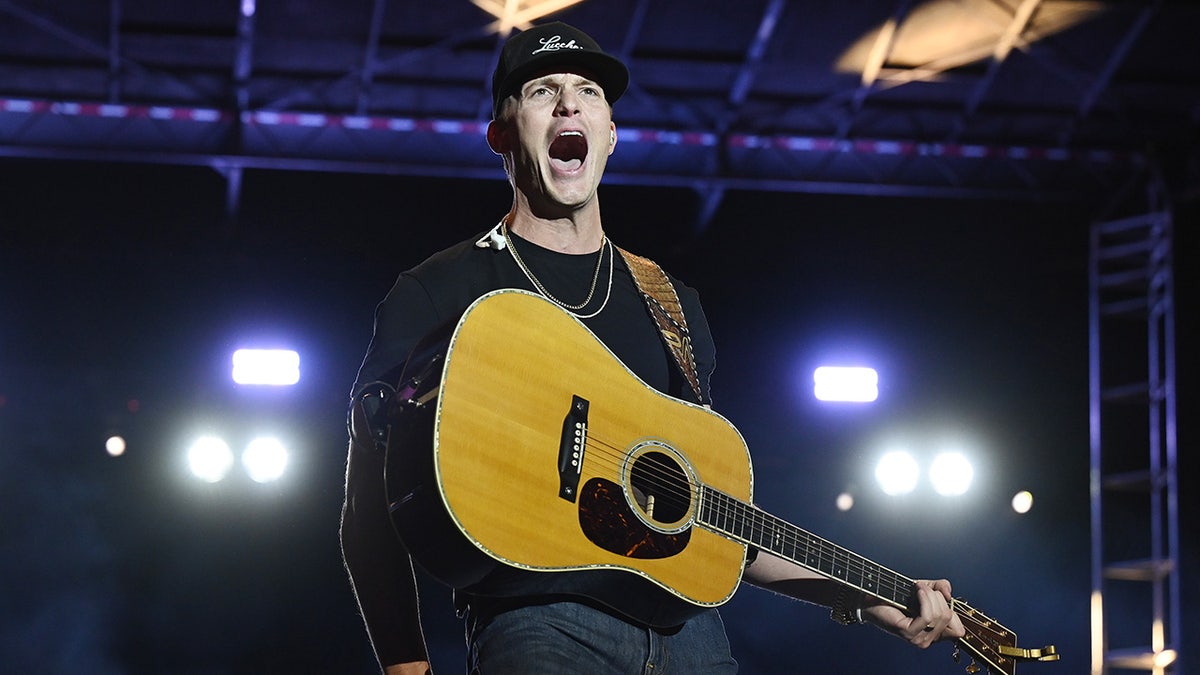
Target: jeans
568,637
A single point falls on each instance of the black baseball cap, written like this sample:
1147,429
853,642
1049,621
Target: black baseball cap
555,45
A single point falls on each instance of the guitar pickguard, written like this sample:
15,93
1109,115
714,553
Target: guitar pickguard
609,523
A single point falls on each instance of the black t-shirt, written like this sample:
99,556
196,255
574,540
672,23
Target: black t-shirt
441,288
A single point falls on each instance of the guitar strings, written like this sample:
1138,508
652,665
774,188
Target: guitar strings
775,534
987,639
736,510
889,585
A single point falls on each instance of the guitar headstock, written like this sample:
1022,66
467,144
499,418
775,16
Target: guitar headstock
992,646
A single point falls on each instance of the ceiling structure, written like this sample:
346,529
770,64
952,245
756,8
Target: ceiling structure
1033,99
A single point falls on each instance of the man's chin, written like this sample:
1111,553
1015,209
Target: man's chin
560,205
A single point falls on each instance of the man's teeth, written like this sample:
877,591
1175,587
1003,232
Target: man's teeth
571,133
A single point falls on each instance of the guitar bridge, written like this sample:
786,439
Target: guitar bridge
571,449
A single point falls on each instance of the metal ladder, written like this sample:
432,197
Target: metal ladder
1135,604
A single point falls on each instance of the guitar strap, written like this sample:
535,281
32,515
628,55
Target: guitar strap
667,311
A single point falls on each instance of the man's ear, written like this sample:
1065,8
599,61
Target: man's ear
498,137
612,135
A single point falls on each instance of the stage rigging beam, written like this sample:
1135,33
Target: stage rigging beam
711,194
114,51
370,57
1114,61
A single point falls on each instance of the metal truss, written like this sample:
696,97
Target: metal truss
386,88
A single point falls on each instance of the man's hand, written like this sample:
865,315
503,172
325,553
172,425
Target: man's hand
935,620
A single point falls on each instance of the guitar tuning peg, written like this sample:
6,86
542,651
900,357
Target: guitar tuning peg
973,668
956,654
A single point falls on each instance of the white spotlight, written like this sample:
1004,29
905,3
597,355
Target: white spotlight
210,459
278,367
845,501
265,459
115,446
951,474
897,473
1022,501
851,385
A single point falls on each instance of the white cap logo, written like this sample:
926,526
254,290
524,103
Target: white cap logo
552,44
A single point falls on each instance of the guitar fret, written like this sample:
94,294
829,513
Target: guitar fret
747,524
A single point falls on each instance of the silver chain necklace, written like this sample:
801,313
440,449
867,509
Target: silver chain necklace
572,309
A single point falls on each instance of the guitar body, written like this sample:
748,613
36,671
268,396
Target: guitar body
542,452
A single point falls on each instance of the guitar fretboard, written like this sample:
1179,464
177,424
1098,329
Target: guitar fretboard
742,522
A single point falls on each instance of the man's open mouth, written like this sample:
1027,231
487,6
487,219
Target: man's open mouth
568,150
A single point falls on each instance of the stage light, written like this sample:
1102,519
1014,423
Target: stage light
210,459
951,474
845,501
845,384
897,473
520,15
115,446
277,367
1022,502
265,459
937,36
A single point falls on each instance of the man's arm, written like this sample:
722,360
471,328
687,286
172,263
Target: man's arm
935,620
380,568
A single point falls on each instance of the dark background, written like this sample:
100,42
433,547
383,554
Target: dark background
975,314
128,274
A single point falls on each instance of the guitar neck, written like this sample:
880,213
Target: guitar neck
743,522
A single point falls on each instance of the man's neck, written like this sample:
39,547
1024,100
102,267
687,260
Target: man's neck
579,232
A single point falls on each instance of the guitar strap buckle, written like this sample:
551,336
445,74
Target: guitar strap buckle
367,417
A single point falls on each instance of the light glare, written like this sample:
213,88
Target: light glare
115,446
277,367
1022,501
1165,658
951,474
845,384
845,501
265,459
210,459
897,473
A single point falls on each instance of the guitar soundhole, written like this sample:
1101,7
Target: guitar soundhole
648,514
661,489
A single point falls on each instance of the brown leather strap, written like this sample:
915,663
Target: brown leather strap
667,311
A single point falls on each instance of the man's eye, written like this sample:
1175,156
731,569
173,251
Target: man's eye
590,91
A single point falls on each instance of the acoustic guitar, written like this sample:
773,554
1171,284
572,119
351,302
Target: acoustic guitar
520,442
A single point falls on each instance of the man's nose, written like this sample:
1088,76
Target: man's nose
568,103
